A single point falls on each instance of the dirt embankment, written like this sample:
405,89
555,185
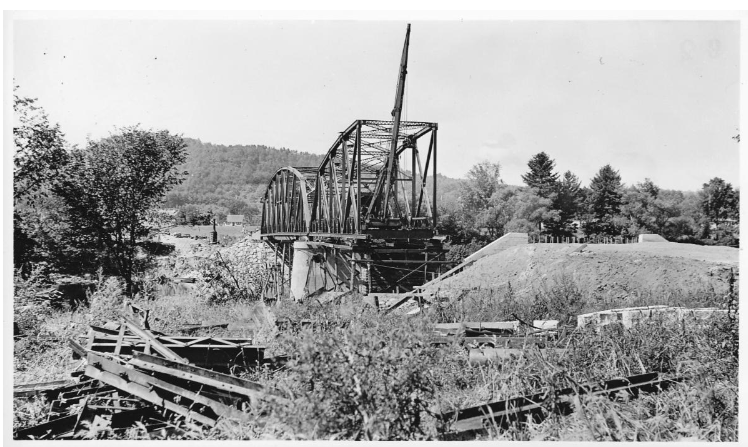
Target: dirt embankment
620,269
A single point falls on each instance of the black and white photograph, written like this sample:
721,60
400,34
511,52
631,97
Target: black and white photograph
372,226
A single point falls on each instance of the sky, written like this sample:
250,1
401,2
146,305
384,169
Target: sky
654,99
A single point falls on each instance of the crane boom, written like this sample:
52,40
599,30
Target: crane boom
396,113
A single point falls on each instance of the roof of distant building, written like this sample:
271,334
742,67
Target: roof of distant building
238,218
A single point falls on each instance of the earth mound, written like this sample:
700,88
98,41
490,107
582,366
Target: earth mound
617,269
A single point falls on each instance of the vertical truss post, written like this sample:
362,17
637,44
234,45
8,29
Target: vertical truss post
353,270
425,173
292,214
358,175
434,213
335,268
414,209
331,175
344,179
282,271
263,228
426,268
368,276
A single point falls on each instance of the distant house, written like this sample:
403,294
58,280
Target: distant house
235,220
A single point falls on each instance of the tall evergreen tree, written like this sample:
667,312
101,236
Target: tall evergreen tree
541,176
605,199
569,197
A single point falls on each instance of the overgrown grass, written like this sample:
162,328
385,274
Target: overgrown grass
359,374
324,377
562,298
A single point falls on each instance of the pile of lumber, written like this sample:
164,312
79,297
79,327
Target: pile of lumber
167,386
494,341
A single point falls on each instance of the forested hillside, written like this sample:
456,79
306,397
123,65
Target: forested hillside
230,179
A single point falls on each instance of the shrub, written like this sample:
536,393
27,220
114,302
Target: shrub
106,301
361,383
558,299
458,252
226,281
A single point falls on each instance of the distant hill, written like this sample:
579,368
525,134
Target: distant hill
232,179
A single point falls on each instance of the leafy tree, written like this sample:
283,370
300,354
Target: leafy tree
499,211
38,158
648,211
197,215
482,183
512,208
531,207
604,201
111,185
680,228
719,200
39,149
541,176
452,223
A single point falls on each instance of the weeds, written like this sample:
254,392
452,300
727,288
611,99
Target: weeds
225,282
356,373
359,383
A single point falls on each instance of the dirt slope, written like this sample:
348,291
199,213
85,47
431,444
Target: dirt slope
613,268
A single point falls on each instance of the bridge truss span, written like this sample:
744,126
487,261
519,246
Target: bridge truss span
345,195
364,219
338,212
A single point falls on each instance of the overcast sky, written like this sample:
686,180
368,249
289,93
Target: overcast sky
656,99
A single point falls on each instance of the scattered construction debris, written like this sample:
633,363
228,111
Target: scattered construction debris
208,352
501,414
34,389
633,315
136,377
496,341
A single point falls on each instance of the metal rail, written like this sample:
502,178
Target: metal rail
504,412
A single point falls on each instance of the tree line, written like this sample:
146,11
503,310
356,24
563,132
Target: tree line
559,205
80,209
225,180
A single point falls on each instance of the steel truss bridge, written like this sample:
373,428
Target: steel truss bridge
359,220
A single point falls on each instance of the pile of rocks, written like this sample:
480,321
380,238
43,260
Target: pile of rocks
249,253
